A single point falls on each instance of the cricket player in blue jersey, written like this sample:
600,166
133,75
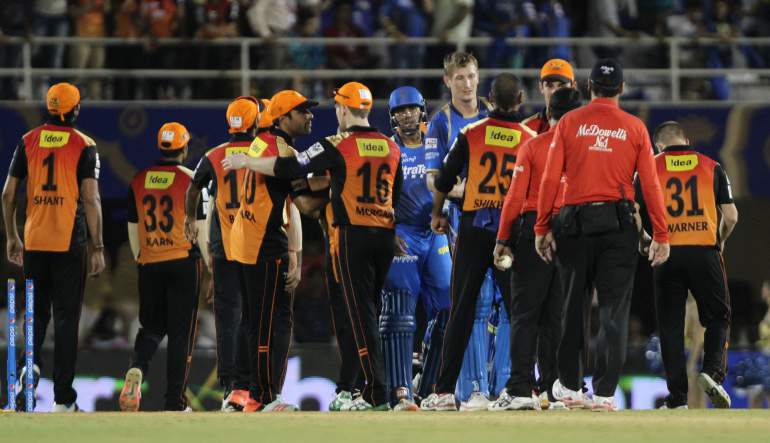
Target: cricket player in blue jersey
465,107
422,265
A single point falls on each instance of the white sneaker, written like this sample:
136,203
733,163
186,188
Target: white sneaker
439,402
478,401
358,404
278,405
665,406
603,404
507,402
71,407
341,402
406,405
567,397
719,397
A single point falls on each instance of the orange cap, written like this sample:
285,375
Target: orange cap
242,114
354,95
62,98
264,117
172,136
284,101
557,68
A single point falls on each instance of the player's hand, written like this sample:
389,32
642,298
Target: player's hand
190,229
439,224
294,274
722,244
97,263
15,250
498,254
401,247
545,245
644,244
658,253
210,292
319,183
234,161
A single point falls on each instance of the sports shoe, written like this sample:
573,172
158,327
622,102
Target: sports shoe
719,397
478,401
279,405
358,404
68,407
545,404
508,402
439,402
406,404
341,402
603,404
253,406
21,399
131,394
665,406
235,401
567,397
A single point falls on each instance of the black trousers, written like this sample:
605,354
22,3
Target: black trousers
471,258
231,324
168,306
699,270
362,264
265,284
350,370
606,262
59,279
535,313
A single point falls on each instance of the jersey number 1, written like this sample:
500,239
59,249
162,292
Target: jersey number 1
48,162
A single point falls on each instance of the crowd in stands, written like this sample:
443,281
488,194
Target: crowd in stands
452,21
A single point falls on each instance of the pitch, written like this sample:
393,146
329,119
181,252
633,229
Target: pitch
700,426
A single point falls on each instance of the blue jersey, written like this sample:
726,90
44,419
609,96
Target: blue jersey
443,129
415,203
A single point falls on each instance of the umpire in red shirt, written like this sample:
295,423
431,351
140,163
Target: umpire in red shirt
598,148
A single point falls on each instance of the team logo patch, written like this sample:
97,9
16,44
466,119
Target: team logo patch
236,150
236,121
503,137
159,180
443,250
372,147
257,147
54,139
431,143
167,136
678,163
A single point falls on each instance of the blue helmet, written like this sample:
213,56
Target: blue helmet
405,96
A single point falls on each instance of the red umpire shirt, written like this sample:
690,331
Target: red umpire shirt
598,148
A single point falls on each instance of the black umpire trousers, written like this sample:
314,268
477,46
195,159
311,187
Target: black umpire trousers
607,262
168,306
700,270
59,279
535,313
231,322
472,256
362,263
269,340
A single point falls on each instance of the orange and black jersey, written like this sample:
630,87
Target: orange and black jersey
487,151
366,176
224,187
693,186
159,193
537,122
259,229
54,158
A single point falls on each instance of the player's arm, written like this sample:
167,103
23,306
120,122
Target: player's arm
88,174
726,205
545,244
202,176
294,235
446,179
653,198
202,221
133,227
517,193
16,174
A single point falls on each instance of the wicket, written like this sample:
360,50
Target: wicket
29,346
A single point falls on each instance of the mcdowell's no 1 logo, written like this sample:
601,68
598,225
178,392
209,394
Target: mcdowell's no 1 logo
678,163
54,139
372,147
503,137
159,180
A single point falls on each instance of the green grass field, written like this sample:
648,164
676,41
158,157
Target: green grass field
562,426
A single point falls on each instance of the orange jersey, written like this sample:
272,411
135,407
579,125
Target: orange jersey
226,187
692,187
54,159
487,150
258,230
537,122
366,177
158,196
598,148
